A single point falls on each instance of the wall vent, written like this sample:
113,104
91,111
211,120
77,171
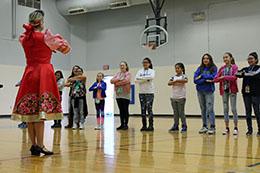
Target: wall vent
76,10
119,4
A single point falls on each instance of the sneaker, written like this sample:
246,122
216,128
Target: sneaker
203,130
211,131
235,132
174,128
81,126
58,125
226,132
54,125
75,126
22,125
184,128
120,127
98,127
150,128
249,133
143,128
68,126
124,127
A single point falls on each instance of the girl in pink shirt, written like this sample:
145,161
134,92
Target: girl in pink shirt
227,79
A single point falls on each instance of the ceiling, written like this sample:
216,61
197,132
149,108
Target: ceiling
85,6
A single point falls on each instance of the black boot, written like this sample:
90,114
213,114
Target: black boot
144,128
150,128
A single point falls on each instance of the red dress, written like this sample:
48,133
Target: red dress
38,97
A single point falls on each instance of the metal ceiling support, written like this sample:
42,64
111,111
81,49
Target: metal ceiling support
13,19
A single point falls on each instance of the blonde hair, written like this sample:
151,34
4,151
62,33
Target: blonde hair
36,18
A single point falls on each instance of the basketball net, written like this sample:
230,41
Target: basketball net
149,46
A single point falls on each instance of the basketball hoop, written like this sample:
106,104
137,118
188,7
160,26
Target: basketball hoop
149,41
149,46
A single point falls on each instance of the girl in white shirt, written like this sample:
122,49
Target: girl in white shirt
178,97
144,78
60,81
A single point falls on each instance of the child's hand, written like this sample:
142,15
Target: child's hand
209,80
197,78
222,77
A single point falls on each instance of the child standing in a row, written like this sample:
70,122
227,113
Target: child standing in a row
99,95
227,79
144,78
178,98
250,90
203,79
78,95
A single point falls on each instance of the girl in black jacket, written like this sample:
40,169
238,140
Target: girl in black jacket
251,91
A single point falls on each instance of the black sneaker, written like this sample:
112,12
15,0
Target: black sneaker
54,125
58,125
150,128
124,127
249,133
120,127
143,128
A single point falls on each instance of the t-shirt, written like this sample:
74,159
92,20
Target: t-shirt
78,89
227,72
179,90
99,93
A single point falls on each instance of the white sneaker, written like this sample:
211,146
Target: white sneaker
98,127
226,132
81,126
211,131
203,130
235,132
75,126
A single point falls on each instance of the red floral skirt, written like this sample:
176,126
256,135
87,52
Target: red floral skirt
38,98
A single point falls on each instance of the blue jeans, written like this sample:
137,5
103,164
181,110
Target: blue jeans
233,103
78,110
206,101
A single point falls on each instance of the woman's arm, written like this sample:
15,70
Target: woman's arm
126,80
81,78
56,42
115,79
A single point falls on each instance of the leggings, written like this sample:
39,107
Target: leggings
123,105
146,101
100,108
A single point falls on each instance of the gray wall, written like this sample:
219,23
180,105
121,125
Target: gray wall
11,51
110,36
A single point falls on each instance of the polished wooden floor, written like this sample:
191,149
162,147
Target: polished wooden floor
131,151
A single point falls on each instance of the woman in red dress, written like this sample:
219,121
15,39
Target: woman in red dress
38,97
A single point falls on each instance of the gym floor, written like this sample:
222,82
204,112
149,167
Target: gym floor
109,150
